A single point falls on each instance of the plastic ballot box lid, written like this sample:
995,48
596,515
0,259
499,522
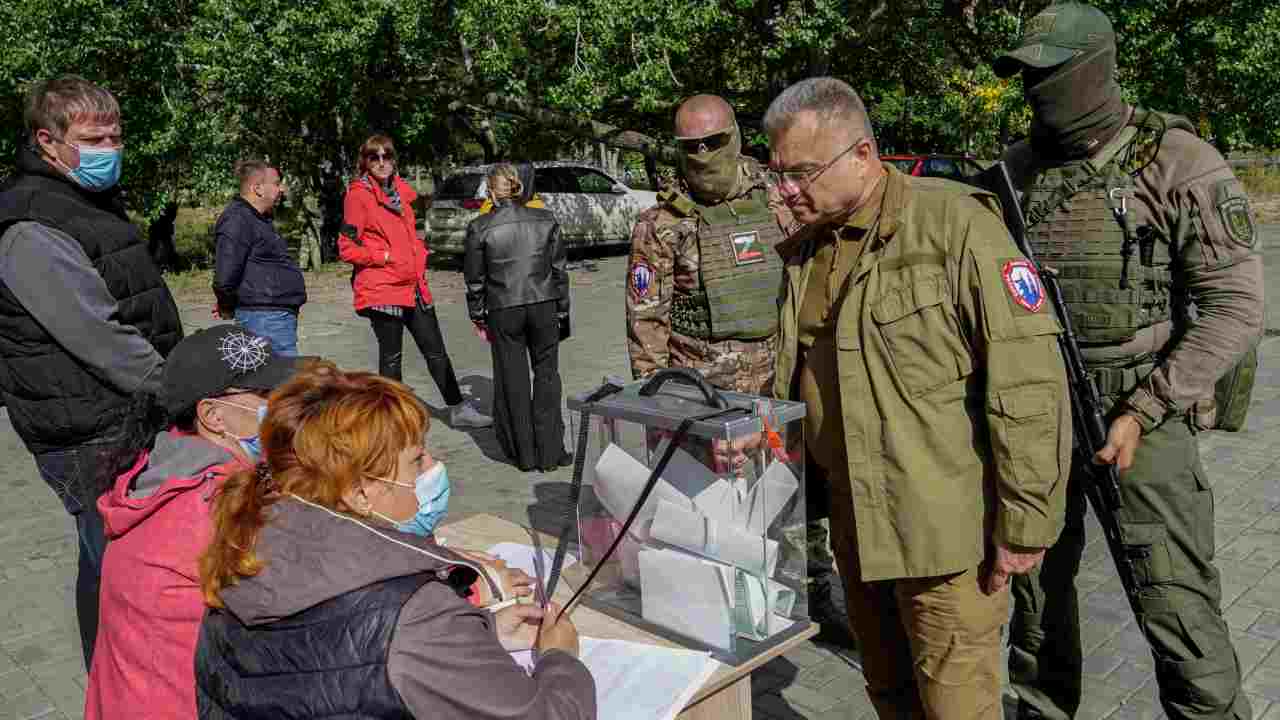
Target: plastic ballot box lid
671,396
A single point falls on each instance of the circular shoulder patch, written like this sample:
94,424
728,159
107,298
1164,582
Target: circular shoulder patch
641,278
1023,283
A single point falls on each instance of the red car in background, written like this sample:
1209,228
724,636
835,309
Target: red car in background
952,167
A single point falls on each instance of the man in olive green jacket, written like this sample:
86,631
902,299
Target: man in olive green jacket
924,347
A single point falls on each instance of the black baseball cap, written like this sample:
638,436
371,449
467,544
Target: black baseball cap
1059,33
208,362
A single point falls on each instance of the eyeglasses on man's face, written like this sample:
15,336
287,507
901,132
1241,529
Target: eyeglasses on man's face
797,181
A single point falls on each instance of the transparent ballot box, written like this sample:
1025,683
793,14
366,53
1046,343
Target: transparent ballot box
715,557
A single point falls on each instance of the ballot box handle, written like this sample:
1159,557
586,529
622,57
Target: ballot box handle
685,376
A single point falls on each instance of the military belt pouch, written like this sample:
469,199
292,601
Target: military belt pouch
1233,392
1118,382
690,316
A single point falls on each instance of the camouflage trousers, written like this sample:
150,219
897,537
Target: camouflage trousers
745,367
1167,524
815,535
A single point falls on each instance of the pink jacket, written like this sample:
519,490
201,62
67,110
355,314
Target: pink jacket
150,606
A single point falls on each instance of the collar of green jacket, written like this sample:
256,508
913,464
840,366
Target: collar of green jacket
896,195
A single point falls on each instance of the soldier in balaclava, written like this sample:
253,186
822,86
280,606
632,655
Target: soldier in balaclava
1154,244
702,289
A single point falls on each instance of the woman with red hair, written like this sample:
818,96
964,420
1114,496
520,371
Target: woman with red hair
322,607
379,238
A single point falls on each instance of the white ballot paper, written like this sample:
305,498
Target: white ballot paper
770,494
637,681
696,532
685,593
521,556
686,474
620,480
760,607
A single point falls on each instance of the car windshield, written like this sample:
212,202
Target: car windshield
460,187
904,164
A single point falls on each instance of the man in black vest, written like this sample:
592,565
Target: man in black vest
85,316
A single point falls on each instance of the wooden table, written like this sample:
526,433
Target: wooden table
726,695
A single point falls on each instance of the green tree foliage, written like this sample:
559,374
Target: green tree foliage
204,82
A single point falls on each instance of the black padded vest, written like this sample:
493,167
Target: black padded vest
329,661
53,401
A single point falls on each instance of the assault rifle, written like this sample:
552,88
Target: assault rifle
1103,486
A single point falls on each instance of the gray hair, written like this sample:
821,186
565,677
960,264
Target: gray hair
833,101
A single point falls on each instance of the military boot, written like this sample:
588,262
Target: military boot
827,608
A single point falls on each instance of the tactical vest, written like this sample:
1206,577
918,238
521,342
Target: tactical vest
1078,223
738,270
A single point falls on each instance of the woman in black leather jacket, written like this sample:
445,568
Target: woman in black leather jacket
518,296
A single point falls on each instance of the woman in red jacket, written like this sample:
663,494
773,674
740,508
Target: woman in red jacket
380,239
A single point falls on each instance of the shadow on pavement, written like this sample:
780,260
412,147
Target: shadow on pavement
480,389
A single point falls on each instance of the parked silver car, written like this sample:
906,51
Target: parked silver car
593,208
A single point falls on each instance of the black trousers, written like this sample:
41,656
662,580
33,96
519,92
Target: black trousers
528,424
425,329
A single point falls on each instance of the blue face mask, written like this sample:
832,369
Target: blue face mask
99,168
432,490
252,445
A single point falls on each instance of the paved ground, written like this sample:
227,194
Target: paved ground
40,666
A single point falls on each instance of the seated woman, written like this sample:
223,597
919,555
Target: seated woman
214,389
322,608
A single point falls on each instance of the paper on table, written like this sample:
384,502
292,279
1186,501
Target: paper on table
521,556
636,681
694,531
684,593
620,480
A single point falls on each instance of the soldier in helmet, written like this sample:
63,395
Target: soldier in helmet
702,288
1142,220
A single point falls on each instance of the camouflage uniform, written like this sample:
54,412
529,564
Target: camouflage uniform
664,257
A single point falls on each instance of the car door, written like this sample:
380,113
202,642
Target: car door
606,214
558,187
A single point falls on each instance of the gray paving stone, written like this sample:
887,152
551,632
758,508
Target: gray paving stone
1240,617
1264,681
1252,649
1137,710
30,705
1267,625
1132,676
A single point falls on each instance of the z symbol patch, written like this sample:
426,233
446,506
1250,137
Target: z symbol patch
747,248
1023,283
641,278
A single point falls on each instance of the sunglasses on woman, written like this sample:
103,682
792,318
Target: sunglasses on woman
379,156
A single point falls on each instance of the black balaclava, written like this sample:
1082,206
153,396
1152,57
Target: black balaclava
1078,107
